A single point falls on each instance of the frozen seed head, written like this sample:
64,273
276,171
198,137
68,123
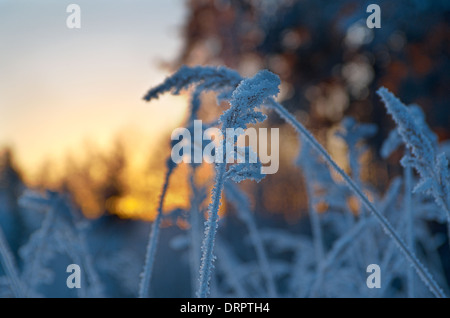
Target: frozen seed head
249,94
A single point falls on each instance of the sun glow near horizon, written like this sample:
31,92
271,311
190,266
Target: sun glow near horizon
61,87
68,94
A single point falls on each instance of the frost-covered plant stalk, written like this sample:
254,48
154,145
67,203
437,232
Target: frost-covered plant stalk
242,205
9,266
196,220
58,234
223,80
312,171
394,141
249,94
36,253
353,134
244,96
229,265
422,154
409,222
432,167
346,240
420,269
154,235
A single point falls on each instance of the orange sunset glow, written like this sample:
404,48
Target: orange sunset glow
67,95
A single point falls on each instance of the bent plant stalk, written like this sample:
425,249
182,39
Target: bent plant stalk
420,269
213,79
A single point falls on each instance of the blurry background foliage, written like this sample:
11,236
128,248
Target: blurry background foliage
330,65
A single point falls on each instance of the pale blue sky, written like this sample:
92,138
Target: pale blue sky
60,86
